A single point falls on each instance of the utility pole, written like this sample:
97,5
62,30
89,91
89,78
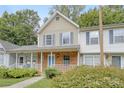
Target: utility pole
101,36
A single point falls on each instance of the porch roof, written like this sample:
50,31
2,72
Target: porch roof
6,46
60,48
47,49
25,48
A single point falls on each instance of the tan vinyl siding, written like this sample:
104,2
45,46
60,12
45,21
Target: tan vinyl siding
57,27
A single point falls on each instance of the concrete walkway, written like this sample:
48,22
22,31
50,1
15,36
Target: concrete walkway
26,82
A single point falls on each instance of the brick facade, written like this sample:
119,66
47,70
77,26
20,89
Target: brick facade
59,58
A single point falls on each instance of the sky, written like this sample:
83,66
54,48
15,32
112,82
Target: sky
42,10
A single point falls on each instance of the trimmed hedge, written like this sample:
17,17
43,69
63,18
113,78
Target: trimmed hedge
88,77
16,72
21,72
51,72
3,72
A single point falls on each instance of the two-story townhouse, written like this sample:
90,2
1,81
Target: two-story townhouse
63,45
113,43
58,39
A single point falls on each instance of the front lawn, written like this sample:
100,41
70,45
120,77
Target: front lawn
10,81
44,83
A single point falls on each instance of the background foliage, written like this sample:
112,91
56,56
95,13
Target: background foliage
111,15
19,27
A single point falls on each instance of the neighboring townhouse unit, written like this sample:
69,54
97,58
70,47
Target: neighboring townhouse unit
63,45
113,45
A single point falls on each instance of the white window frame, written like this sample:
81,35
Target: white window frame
115,33
64,60
69,38
2,58
93,62
51,40
117,56
90,37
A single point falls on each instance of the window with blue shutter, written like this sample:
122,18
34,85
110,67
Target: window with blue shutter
118,36
67,38
92,38
87,38
111,36
49,40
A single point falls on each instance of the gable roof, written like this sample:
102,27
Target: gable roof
53,16
7,45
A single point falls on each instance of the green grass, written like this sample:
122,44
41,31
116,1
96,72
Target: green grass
44,83
11,81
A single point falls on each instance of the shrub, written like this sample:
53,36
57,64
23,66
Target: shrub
16,73
88,77
51,72
21,72
30,72
3,72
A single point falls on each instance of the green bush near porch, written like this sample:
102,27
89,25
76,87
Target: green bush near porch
21,72
3,72
51,72
88,77
16,72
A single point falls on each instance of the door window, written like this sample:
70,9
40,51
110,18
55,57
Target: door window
21,59
51,63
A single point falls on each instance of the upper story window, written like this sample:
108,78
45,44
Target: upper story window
48,40
66,38
92,38
116,36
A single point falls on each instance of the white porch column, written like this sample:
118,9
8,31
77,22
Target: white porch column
41,61
31,59
78,58
51,58
16,60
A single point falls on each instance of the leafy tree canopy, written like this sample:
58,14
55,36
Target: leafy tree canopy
19,28
111,15
71,11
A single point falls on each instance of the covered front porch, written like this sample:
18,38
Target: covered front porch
27,60
61,58
62,61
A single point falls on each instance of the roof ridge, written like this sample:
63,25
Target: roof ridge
51,18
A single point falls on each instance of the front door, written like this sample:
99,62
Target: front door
21,61
116,61
51,60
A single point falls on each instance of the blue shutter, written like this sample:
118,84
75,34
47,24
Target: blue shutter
111,36
60,39
43,40
53,39
71,37
87,38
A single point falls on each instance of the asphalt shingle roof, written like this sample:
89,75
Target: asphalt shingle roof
7,45
26,48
